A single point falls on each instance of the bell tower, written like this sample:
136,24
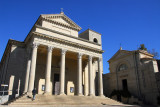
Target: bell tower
92,36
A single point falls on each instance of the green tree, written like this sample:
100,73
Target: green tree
142,47
153,52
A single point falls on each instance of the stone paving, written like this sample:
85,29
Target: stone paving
69,106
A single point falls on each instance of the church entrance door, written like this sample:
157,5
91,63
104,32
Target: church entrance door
124,84
56,84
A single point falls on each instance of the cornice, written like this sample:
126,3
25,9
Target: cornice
129,53
110,61
67,35
69,43
145,52
124,51
15,42
94,31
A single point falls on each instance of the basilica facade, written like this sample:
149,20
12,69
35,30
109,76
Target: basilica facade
54,59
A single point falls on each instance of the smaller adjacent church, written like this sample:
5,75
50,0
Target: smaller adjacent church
54,59
136,72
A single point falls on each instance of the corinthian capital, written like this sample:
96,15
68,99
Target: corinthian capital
63,51
99,59
50,48
80,55
90,58
35,45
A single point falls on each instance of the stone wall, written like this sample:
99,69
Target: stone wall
148,84
14,73
157,74
141,77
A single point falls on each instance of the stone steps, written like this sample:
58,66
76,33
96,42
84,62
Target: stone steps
64,100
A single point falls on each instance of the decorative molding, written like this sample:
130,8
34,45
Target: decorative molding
67,35
74,25
62,24
62,41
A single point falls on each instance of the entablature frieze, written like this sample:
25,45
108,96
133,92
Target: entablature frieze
47,29
61,45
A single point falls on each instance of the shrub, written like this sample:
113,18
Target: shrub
123,93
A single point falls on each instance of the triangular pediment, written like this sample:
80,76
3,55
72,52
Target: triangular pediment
61,19
119,54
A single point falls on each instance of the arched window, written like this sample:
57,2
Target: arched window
122,67
95,40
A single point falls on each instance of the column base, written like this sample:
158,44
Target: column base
80,94
86,94
24,92
46,93
62,94
91,95
101,95
29,93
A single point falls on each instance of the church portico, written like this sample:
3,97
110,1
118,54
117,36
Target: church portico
46,65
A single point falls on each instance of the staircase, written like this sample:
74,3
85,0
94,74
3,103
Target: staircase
64,100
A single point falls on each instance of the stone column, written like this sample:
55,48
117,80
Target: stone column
86,79
33,68
100,79
27,70
93,76
79,74
48,71
90,76
62,72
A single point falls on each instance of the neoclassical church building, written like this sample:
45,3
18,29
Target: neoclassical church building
54,59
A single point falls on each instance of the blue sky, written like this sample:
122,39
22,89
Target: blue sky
129,22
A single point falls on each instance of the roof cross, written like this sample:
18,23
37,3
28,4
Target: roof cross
61,9
120,46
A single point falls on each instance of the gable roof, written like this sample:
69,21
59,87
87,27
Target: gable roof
120,51
119,54
61,19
